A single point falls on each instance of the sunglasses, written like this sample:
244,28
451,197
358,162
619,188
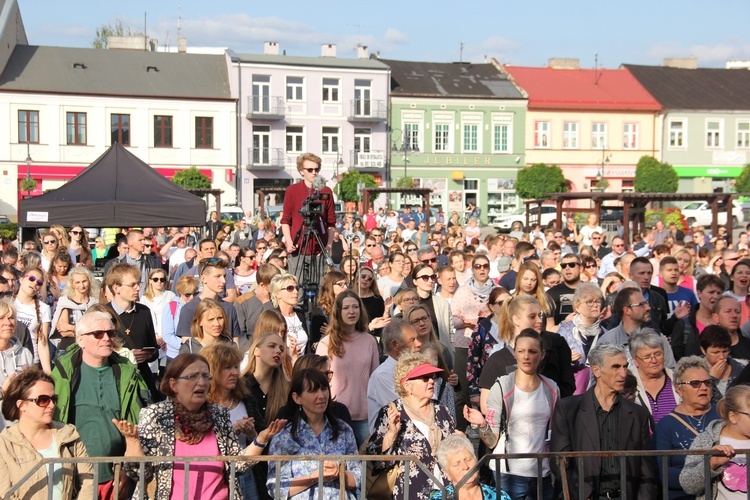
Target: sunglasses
250,256
159,280
44,400
34,279
425,378
696,384
589,266
427,277
260,249
566,265
99,334
429,261
76,232
212,262
365,277
368,246
313,170
50,242
481,266
292,288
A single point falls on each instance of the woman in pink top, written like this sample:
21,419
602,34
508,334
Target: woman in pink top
354,356
186,424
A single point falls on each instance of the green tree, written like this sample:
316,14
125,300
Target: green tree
653,176
742,183
347,189
539,179
28,184
405,182
191,178
116,28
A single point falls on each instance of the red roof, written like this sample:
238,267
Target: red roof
550,88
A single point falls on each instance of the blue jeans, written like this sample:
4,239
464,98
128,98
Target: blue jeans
247,485
524,488
361,431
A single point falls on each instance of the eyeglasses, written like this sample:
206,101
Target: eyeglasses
33,279
292,288
312,170
369,246
429,261
481,266
44,400
423,319
558,236
366,277
50,242
593,303
193,294
412,250
148,245
131,285
99,334
341,284
427,277
590,266
638,304
195,376
249,256
76,232
651,357
159,280
260,249
565,265
696,384
425,378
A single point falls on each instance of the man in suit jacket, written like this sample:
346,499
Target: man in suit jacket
602,420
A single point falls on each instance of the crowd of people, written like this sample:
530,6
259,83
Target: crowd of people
426,339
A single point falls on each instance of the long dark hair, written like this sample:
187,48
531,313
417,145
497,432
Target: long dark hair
310,380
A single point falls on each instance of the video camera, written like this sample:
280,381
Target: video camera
313,206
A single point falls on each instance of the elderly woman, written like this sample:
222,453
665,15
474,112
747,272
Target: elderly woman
187,290
186,424
14,358
412,425
284,296
313,429
456,458
730,432
81,293
656,389
583,331
692,416
30,400
209,326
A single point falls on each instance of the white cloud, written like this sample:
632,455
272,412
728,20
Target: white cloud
708,55
393,35
501,48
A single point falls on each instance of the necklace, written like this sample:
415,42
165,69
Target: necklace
699,421
127,330
231,404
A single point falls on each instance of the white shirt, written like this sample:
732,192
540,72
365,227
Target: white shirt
381,389
528,424
388,287
294,329
26,314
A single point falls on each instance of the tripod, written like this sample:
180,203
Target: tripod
309,268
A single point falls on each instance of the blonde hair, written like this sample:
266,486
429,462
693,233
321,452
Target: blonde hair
222,355
406,363
279,388
277,283
149,293
737,399
205,306
512,307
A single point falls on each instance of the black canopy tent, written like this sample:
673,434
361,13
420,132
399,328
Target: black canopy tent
117,190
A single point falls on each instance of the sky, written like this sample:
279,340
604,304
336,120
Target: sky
520,32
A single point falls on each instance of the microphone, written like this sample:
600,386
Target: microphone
318,183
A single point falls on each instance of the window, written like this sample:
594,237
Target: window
362,139
261,94
630,136
541,134
411,136
330,139
28,126
677,134
294,139
330,90
261,143
500,142
204,132
570,135
120,129
76,128
743,135
714,133
295,88
598,135
442,137
162,131
471,138
362,98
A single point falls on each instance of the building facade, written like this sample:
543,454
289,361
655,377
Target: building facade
458,129
334,107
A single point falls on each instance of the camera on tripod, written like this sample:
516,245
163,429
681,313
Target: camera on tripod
313,206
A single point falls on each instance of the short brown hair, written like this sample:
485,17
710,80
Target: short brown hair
175,369
119,271
265,273
301,159
18,390
186,284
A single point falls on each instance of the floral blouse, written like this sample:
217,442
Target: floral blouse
307,443
410,441
481,346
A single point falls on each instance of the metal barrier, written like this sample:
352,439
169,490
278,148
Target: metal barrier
408,460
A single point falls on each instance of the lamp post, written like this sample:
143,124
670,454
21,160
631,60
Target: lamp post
339,162
600,173
409,144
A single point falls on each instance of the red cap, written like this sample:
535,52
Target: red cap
421,370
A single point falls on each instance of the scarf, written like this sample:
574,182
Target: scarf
481,292
434,436
580,330
190,427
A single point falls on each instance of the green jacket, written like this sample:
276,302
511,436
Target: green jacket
131,387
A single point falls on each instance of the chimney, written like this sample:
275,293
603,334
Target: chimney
271,48
738,64
328,50
564,63
362,52
182,45
681,62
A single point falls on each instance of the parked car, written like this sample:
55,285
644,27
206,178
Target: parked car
700,212
4,220
231,212
505,222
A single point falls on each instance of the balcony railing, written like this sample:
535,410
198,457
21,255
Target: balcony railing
266,108
266,158
369,159
368,110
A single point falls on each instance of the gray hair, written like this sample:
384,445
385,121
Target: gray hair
393,331
424,250
601,351
688,363
546,254
450,446
584,291
85,324
645,338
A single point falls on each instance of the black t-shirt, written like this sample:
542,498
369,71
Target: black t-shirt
741,350
500,363
562,296
572,243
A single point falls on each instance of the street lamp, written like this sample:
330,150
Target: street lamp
339,162
600,173
409,144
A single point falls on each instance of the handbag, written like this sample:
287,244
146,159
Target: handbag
379,486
